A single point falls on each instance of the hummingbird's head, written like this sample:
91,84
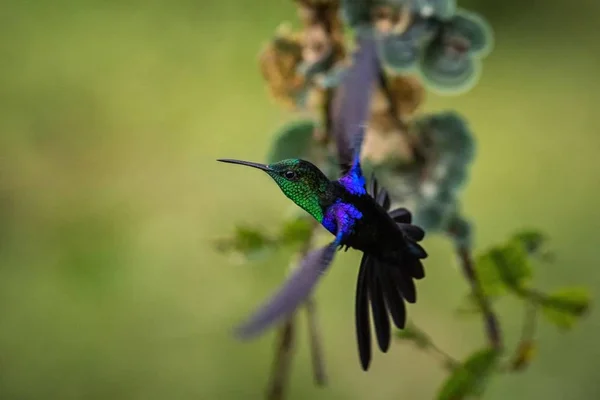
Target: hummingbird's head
301,181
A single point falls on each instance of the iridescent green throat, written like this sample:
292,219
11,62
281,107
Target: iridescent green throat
304,193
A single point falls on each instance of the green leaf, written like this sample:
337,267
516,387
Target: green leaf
398,52
246,240
475,29
414,334
296,230
470,378
294,140
503,267
488,275
448,73
513,264
564,307
356,12
442,9
531,240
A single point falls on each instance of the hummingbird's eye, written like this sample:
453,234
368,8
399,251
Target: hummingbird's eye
289,174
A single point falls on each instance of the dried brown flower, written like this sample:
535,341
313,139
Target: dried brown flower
278,62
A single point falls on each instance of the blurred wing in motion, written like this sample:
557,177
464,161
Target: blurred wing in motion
353,179
351,104
292,294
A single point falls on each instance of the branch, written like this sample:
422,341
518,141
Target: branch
282,361
316,348
428,344
492,326
286,339
525,348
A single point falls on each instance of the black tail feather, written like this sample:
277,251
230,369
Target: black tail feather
412,231
401,215
416,269
405,284
393,297
383,199
363,329
379,310
415,249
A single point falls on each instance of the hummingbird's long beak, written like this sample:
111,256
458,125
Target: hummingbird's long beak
247,163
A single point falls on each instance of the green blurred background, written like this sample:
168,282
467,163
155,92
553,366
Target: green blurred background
112,114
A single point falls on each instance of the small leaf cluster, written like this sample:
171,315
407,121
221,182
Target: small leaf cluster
471,377
441,43
505,269
509,268
253,242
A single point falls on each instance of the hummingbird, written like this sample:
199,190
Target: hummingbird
359,218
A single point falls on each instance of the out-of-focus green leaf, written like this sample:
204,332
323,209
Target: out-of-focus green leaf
356,13
248,241
414,334
448,71
488,275
470,378
513,264
397,53
294,140
442,9
476,30
248,238
502,267
524,355
565,306
531,240
296,230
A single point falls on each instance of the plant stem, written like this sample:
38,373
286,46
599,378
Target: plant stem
286,339
447,360
522,354
282,363
492,326
316,348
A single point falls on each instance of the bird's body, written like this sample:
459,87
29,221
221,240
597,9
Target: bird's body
370,228
359,219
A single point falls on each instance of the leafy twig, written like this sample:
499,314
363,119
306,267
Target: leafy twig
423,341
492,325
446,359
525,347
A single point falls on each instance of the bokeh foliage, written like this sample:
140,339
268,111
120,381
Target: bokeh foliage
443,46
114,112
